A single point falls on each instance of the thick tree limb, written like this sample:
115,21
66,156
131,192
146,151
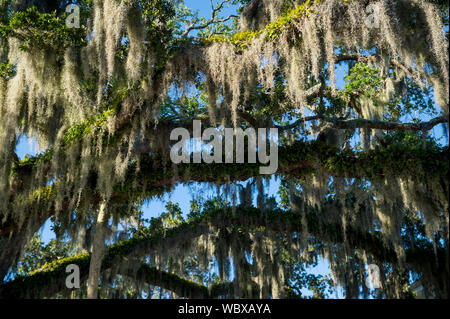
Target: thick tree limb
388,126
180,286
358,123
50,279
298,159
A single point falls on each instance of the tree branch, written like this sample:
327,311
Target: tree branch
301,158
369,124
212,21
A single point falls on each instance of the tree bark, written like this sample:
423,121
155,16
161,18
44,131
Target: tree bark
98,248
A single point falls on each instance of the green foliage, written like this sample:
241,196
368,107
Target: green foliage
173,216
7,70
29,162
161,21
114,96
363,80
91,126
37,254
415,100
42,30
272,31
411,139
320,286
187,107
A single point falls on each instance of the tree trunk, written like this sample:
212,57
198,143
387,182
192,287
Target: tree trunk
97,252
